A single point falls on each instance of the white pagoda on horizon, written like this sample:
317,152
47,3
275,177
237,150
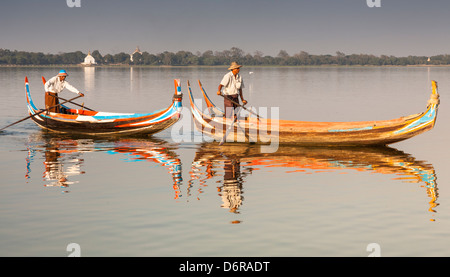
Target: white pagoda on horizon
135,51
89,60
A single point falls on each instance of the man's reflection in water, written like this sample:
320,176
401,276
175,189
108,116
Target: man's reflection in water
54,173
53,168
231,191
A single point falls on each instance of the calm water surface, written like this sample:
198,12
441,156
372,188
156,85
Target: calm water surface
162,197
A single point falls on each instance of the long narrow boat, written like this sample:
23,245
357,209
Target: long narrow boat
81,121
258,130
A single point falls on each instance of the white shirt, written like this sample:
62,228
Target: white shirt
231,83
56,86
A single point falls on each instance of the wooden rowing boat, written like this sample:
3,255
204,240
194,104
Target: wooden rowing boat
81,121
258,130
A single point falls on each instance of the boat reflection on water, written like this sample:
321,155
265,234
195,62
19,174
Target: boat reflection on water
226,165
64,156
231,170
62,159
57,154
239,160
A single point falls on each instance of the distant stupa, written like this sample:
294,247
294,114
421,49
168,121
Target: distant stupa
135,51
89,60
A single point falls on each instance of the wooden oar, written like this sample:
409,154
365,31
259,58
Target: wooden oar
82,106
234,102
40,112
44,81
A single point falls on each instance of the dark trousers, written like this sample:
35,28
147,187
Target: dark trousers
50,100
229,106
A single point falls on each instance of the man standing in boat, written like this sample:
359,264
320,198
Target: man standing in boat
232,83
54,86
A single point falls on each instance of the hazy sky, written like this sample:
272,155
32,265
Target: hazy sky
398,27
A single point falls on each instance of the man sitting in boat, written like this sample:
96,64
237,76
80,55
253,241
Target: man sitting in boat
232,83
54,86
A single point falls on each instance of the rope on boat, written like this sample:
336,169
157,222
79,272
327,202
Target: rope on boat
178,97
434,99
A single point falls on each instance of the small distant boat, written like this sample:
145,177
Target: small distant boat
259,130
88,122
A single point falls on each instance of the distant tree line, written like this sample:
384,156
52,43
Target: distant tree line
210,58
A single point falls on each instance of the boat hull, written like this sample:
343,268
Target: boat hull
112,128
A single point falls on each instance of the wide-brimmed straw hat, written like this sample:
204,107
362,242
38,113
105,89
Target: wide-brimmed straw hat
63,73
234,65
